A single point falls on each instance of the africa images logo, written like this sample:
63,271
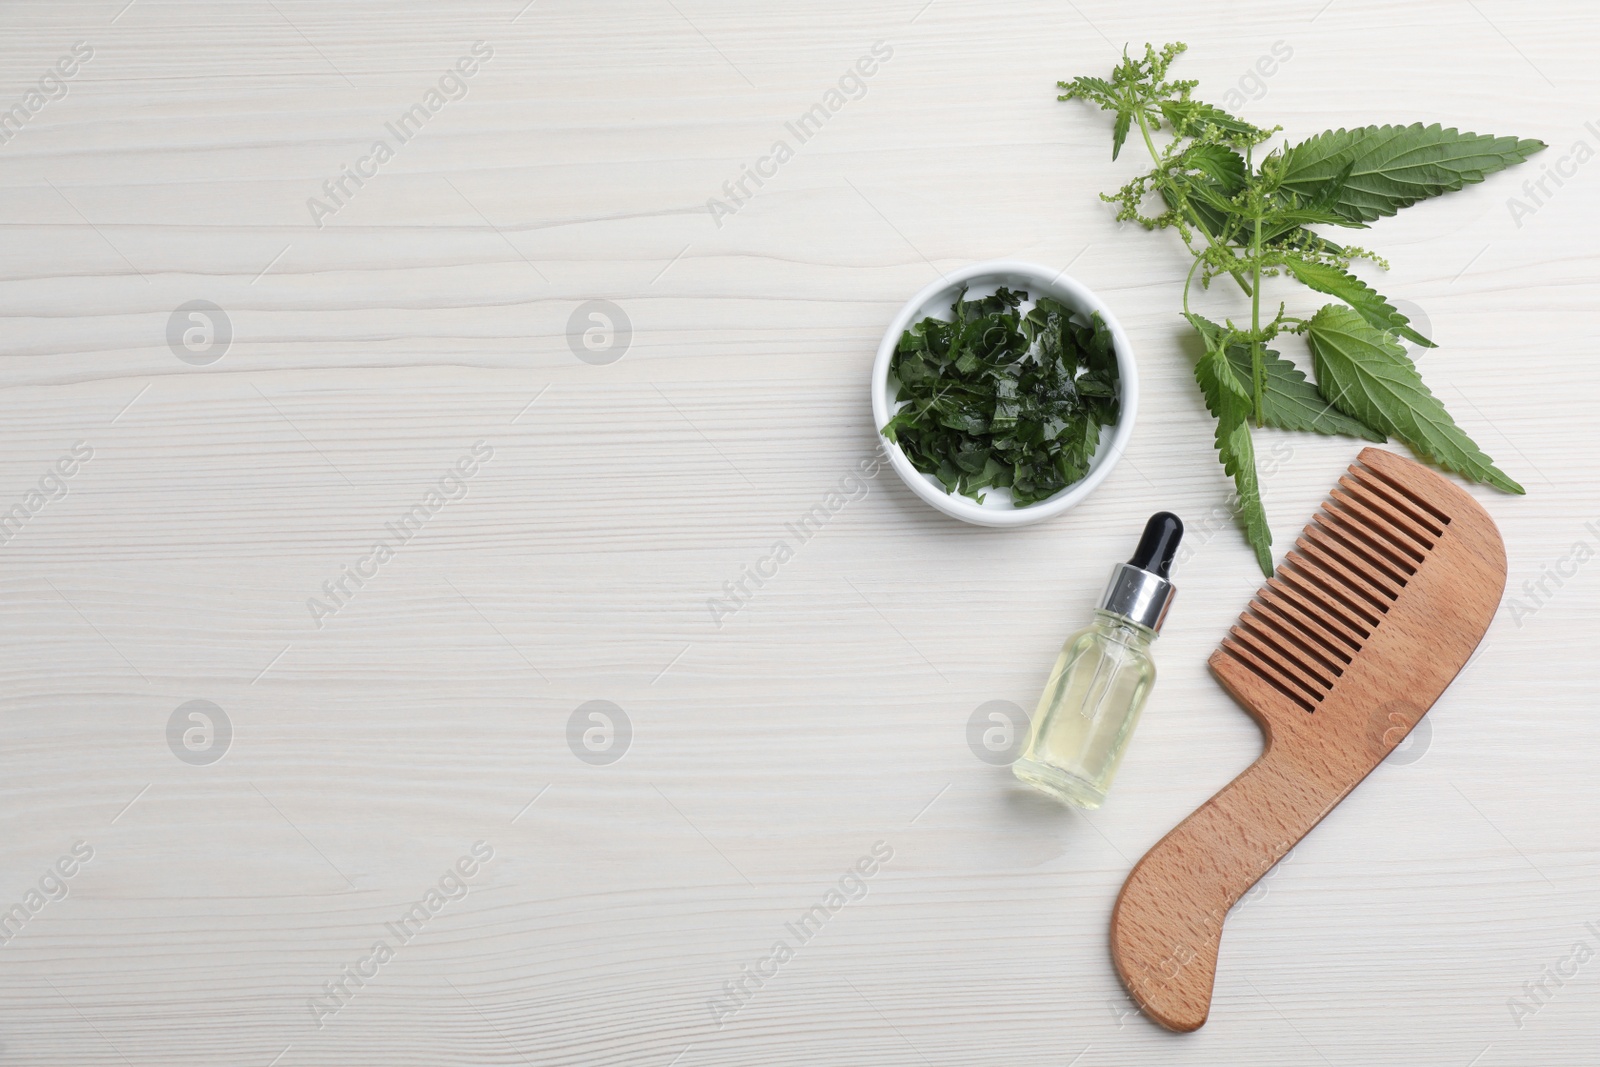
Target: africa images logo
852,85
851,887
451,86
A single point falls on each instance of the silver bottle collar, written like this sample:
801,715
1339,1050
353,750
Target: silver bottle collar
1138,595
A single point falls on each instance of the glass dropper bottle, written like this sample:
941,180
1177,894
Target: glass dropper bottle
1103,676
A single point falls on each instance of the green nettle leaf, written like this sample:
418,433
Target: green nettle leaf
1119,131
1218,162
1248,213
1335,281
1193,116
1228,397
1207,175
1089,87
1290,402
1391,167
1368,377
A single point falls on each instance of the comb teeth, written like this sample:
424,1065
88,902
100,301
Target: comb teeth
1333,589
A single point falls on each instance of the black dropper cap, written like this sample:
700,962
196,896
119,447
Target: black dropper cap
1159,545
1141,589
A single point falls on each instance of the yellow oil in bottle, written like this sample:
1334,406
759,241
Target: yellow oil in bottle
1097,689
1088,711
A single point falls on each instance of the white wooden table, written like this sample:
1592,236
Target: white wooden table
365,348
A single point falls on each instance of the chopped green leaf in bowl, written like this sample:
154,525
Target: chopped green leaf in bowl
1001,397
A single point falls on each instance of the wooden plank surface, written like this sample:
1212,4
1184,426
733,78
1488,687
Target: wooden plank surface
1432,918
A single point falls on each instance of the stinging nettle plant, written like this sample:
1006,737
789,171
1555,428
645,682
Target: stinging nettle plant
1245,213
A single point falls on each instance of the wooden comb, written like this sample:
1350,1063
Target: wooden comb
1365,623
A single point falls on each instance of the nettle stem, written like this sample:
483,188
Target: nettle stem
1257,369
1188,280
1144,129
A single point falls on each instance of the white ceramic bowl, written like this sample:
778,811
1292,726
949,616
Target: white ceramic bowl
982,279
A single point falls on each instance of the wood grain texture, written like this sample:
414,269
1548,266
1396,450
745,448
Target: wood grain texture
767,753
1389,591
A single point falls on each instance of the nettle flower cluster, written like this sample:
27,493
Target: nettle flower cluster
1246,213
